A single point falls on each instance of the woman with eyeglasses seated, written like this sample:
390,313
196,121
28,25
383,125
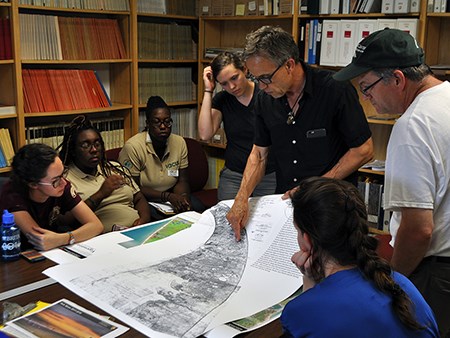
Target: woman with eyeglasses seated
38,193
234,106
348,290
105,186
158,161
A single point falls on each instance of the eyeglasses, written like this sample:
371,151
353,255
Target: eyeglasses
88,146
157,123
57,181
266,79
365,90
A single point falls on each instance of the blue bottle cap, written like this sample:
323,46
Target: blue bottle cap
7,217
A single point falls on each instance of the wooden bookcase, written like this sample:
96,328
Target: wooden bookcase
166,50
116,73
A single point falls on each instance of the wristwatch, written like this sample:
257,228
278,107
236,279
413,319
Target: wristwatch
71,238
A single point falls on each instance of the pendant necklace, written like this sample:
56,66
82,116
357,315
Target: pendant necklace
293,112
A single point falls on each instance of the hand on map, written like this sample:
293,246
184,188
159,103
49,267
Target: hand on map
238,217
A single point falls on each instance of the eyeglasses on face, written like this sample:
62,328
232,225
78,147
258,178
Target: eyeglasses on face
266,79
88,145
157,123
57,181
366,89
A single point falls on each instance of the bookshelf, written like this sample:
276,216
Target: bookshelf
8,69
166,61
62,50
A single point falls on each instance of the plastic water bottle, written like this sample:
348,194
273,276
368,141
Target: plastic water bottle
10,238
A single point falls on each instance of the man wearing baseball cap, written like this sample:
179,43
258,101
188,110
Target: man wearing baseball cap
390,71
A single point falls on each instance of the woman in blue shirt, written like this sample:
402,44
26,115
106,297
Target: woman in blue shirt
348,291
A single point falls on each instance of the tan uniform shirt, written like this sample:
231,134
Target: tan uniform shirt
117,208
139,156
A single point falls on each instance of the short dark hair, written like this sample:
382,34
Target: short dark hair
224,59
30,164
154,102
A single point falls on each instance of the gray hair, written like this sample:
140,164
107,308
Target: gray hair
273,43
413,73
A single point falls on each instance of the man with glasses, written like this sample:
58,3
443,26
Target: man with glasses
313,124
38,194
158,161
389,67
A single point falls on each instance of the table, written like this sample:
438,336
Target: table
22,282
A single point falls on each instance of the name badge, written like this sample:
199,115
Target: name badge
172,172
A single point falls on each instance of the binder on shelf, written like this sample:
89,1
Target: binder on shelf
415,6
386,23
408,25
365,28
334,6
387,6
346,7
324,6
437,6
329,48
346,42
402,6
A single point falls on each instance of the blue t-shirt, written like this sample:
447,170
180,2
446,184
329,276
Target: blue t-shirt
345,304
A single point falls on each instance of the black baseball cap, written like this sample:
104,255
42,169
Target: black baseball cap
387,48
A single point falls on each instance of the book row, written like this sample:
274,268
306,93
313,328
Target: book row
332,42
50,90
49,37
108,5
6,148
362,6
174,84
5,39
245,7
111,129
184,121
170,41
175,7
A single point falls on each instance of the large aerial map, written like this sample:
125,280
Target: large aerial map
181,290
194,280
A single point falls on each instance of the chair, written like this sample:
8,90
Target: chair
384,249
198,173
113,154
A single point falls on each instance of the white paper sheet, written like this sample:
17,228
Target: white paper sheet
268,278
